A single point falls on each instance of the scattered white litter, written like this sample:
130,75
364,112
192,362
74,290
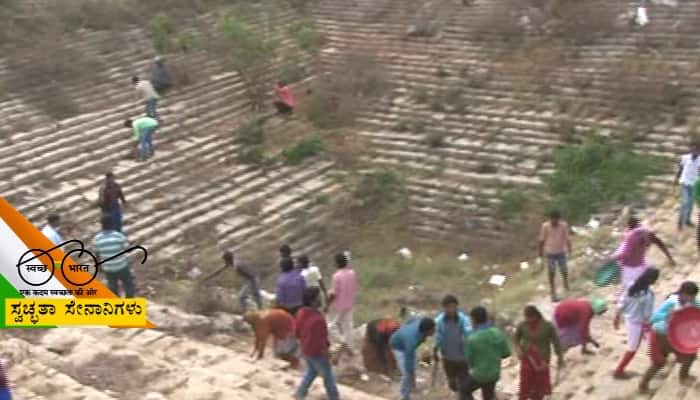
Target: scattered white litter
267,295
194,273
364,378
405,253
539,261
589,251
642,18
497,280
593,223
463,257
524,265
541,288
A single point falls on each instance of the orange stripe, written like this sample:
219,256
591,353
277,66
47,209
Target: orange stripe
34,239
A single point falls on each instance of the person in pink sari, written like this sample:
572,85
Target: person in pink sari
631,254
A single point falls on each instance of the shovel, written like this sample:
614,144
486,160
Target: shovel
213,274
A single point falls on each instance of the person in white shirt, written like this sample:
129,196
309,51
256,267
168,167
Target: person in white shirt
150,96
686,177
51,229
312,276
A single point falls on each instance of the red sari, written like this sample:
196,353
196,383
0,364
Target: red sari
535,382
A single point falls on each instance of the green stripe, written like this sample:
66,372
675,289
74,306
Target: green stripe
7,291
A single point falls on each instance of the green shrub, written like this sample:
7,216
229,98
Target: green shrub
306,35
251,137
436,139
597,173
254,154
306,148
513,202
162,29
381,188
292,72
441,72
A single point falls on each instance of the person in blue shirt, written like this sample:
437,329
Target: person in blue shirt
659,345
453,327
404,343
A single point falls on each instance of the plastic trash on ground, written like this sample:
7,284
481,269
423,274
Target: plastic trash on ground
497,280
593,223
524,265
405,253
463,257
194,273
642,18
267,295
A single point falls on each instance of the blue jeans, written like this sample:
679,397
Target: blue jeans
686,205
318,366
127,280
151,105
116,215
5,394
554,260
146,143
406,380
249,288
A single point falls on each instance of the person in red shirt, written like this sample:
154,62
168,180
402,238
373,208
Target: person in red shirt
279,324
312,332
572,319
285,102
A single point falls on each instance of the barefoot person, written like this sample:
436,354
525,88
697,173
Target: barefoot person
554,244
534,340
631,254
376,351
280,325
285,102
453,327
637,305
312,332
659,345
404,344
572,319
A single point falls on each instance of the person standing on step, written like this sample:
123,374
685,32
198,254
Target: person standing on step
281,326
285,102
404,343
145,89
290,287
312,276
51,229
486,347
637,306
109,200
108,243
160,77
659,345
572,319
376,352
554,244
686,177
312,332
250,283
342,300
534,340
453,327
144,128
631,254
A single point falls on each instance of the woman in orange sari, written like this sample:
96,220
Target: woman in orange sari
534,339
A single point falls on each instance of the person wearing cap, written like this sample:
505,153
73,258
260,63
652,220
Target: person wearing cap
659,345
572,319
631,254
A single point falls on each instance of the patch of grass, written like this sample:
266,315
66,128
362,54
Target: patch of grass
486,168
436,105
454,98
380,189
403,125
162,29
306,35
306,148
512,203
293,72
418,126
597,173
252,143
436,138
441,72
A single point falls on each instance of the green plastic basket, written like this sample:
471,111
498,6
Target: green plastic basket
607,275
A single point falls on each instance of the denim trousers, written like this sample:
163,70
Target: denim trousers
124,276
686,205
406,383
316,366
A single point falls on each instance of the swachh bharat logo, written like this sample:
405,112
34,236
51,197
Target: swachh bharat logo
55,294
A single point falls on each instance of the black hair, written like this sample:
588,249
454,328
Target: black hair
449,300
688,287
107,223
633,221
426,325
555,214
341,261
135,79
228,255
303,260
54,219
286,264
285,250
479,315
532,311
310,296
109,175
641,285
128,123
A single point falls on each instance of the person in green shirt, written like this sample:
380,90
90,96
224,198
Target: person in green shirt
485,348
143,133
